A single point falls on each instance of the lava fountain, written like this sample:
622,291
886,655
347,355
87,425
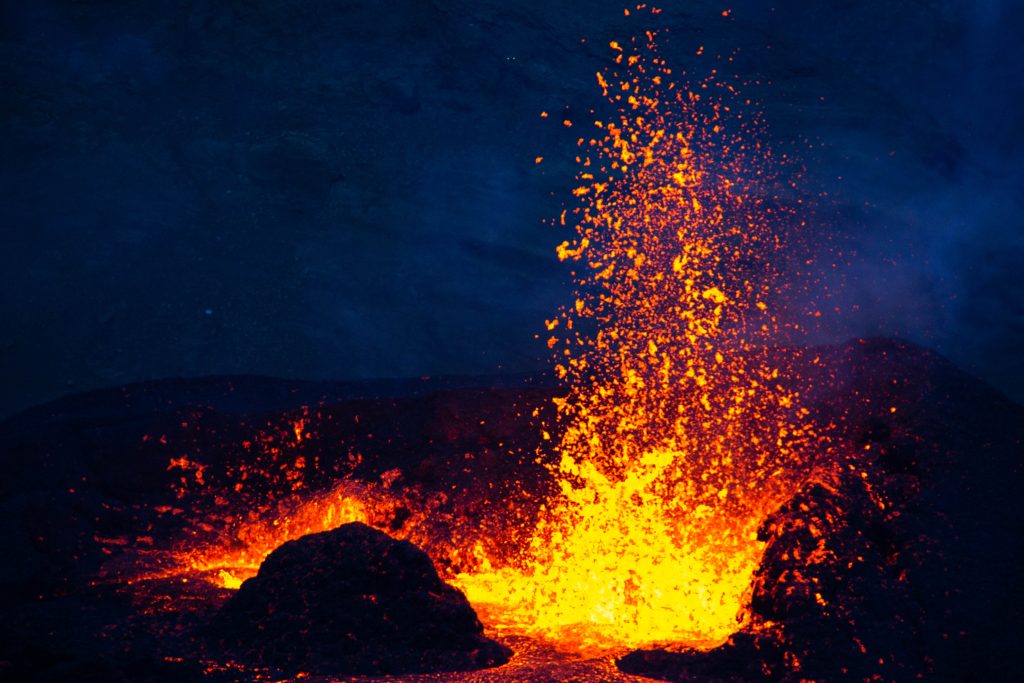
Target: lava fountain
678,434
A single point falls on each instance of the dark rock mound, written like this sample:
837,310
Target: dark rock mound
353,601
746,657
904,562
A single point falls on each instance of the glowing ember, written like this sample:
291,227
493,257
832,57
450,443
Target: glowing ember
678,435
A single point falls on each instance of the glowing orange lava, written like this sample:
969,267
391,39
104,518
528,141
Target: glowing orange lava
237,553
679,437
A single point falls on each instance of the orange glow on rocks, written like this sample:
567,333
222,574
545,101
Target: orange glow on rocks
678,435
236,554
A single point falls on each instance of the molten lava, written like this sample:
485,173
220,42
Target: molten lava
678,435
237,554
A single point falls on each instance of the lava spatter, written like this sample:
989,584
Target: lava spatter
678,433
679,436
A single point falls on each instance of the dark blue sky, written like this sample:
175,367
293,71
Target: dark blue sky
340,190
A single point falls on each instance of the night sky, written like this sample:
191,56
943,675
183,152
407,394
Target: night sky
334,190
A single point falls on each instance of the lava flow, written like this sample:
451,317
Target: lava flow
678,435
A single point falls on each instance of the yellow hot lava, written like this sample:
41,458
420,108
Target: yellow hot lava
679,437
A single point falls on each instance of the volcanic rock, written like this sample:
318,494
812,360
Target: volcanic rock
746,657
904,562
353,601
